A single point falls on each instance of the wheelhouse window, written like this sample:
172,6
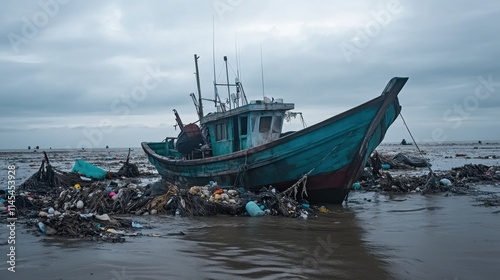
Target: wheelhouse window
221,131
277,124
265,124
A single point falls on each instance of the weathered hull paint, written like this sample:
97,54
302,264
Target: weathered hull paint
332,153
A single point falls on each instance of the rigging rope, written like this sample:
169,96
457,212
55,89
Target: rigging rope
431,179
242,173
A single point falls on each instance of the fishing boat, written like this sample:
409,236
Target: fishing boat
242,145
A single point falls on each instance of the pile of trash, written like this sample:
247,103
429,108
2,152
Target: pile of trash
476,172
457,180
399,161
68,204
84,226
210,200
87,212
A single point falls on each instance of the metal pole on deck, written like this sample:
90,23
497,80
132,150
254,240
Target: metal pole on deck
200,111
228,89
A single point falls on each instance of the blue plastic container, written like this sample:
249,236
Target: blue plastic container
253,209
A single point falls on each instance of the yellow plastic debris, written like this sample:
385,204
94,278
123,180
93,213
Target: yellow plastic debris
323,209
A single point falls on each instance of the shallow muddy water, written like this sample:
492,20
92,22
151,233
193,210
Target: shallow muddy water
373,236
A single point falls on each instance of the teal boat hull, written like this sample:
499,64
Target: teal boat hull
329,155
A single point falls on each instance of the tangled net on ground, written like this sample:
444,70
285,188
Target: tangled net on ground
49,180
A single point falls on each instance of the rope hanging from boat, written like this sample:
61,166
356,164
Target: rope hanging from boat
303,179
431,178
242,172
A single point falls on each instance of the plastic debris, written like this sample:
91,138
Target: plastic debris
79,204
445,182
324,210
136,225
103,217
41,226
114,231
88,215
253,209
88,169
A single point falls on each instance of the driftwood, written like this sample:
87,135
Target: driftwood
128,170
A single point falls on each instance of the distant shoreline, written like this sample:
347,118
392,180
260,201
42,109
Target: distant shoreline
424,143
40,150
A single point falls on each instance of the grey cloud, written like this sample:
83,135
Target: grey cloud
92,54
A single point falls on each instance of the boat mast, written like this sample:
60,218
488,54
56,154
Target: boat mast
200,105
262,71
218,104
228,88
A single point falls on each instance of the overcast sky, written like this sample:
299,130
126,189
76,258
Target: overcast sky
94,73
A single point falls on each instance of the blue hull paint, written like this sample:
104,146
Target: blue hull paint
332,153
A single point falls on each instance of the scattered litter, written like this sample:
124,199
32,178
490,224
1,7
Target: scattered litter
456,180
41,226
88,169
445,182
324,210
253,209
66,205
411,161
137,225
86,216
103,217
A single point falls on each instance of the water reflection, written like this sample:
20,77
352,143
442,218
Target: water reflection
329,247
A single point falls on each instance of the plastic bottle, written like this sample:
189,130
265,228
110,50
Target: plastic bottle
42,227
253,209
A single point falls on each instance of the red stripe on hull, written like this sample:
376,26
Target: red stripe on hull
326,187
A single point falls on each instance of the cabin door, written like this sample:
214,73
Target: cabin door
240,133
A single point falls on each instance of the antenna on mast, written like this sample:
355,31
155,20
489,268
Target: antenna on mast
228,85
216,94
262,71
238,66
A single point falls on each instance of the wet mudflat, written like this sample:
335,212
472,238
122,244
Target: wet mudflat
374,236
